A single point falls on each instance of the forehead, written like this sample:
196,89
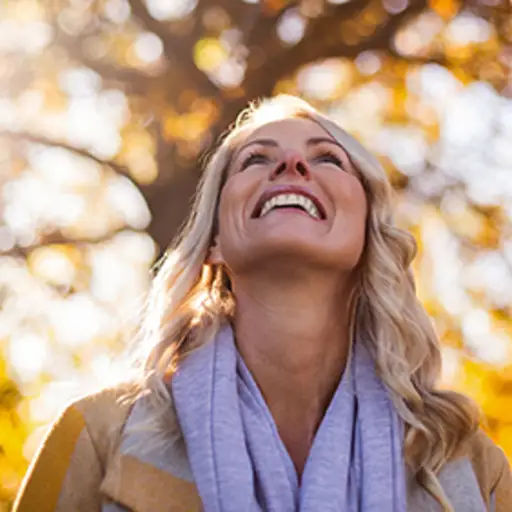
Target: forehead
287,131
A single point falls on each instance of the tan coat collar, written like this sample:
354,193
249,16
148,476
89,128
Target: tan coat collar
145,474
142,487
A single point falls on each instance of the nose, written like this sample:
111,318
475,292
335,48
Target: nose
292,163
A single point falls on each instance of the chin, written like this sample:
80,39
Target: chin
292,255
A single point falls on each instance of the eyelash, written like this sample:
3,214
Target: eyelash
255,155
334,158
249,160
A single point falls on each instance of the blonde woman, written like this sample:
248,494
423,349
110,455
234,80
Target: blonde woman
290,365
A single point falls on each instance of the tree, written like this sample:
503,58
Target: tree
158,81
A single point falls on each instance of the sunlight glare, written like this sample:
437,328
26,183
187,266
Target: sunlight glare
468,28
170,9
117,10
77,319
291,27
126,200
148,47
53,265
28,353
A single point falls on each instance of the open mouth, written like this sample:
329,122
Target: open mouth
279,199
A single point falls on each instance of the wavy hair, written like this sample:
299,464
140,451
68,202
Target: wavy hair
189,299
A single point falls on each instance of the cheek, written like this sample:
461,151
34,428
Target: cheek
235,203
350,197
359,200
230,202
350,223
359,212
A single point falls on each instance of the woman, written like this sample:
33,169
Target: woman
290,365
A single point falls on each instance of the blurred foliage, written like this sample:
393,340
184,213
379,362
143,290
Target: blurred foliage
107,106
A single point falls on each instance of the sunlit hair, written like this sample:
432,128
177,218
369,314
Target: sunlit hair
189,300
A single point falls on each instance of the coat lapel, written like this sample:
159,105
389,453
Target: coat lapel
149,473
141,487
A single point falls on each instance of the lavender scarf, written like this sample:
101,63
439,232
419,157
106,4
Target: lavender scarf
240,464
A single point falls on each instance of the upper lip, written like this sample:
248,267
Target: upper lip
287,189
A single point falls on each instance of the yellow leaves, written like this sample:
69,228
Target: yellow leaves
119,45
490,388
12,437
472,225
187,126
461,73
494,73
286,86
9,393
451,337
475,382
349,32
273,6
372,16
188,129
364,24
55,264
458,53
503,437
138,154
54,99
445,8
475,55
209,54
397,112
498,405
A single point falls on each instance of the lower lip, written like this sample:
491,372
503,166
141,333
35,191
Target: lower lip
290,210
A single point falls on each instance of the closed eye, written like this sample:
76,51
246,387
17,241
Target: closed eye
253,158
330,157
259,158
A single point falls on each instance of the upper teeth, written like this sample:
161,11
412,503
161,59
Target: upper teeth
291,200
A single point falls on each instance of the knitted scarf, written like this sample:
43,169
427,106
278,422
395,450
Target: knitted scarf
240,463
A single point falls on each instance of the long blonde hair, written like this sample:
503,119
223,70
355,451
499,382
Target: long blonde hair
189,299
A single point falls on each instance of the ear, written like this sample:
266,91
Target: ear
215,253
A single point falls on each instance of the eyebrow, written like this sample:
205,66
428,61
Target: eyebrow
272,143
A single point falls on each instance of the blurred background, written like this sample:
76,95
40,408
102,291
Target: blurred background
107,107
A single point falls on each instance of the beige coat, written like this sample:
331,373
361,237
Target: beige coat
80,467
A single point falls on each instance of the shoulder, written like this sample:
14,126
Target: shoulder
107,405
487,458
68,468
103,414
491,468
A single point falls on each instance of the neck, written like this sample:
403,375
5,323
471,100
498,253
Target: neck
294,338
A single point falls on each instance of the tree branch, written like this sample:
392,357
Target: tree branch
82,152
133,80
178,53
236,9
420,60
142,14
57,238
240,13
261,78
327,46
262,38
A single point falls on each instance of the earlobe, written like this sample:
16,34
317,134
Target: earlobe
215,253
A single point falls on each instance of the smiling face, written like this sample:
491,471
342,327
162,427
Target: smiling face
292,196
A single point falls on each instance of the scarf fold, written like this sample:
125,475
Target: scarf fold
240,463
